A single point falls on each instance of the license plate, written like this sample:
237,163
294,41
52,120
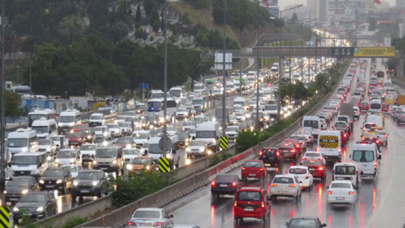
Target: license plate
282,192
312,169
13,199
267,164
223,185
84,191
104,168
286,151
252,174
340,198
340,178
192,156
248,209
49,186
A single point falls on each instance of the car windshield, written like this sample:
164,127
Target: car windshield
88,147
249,196
112,126
302,223
25,160
75,135
341,185
66,154
123,140
106,153
33,198
283,180
252,164
146,214
340,124
40,129
17,142
270,107
141,161
18,182
139,135
297,171
232,129
97,117
226,178
312,163
53,173
66,119
345,170
197,143
182,109
154,149
124,125
312,155
87,176
311,123
44,142
205,134
363,156
131,152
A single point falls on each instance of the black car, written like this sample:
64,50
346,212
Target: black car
307,222
19,186
270,157
36,205
90,183
225,184
88,134
56,178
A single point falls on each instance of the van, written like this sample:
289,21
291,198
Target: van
313,125
329,144
241,101
176,92
68,119
44,128
229,87
22,140
155,152
157,94
367,156
347,171
377,120
209,132
375,106
109,159
29,164
96,119
387,83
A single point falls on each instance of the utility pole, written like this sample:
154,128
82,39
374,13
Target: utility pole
223,74
31,77
280,69
3,111
164,133
240,78
258,63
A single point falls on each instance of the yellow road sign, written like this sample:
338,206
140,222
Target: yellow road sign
164,165
224,142
374,52
4,217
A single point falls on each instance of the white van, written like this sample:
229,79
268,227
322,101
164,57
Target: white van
348,172
387,83
209,132
367,156
229,87
44,128
176,92
67,119
22,140
29,164
155,152
241,101
329,144
96,119
375,106
377,120
39,114
313,125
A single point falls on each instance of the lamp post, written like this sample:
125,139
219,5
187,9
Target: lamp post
3,112
224,72
18,67
164,132
31,63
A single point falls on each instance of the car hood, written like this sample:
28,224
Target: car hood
87,151
21,205
231,132
196,147
15,189
182,113
44,146
51,178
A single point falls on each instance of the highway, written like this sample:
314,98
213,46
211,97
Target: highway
380,202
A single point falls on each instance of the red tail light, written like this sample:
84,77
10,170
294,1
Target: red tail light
213,184
243,168
157,224
307,176
304,158
131,223
276,169
362,138
273,185
261,153
377,141
261,169
329,192
292,185
320,168
386,135
278,153
351,193
400,117
235,204
234,184
317,149
262,204
297,145
375,165
292,151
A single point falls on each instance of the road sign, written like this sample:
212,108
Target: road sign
224,142
374,52
164,165
143,85
219,60
169,143
4,217
342,51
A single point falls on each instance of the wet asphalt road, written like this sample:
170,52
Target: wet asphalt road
380,203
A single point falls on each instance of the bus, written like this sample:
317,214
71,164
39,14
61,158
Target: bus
380,76
155,105
41,113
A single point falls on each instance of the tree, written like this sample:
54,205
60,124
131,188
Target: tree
294,18
155,20
12,104
186,19
149,6
138,16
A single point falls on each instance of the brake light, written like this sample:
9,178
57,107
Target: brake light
235,204
351,193
276,169
375,165
362,138
262,204
131,223
345,135
273,185
157,224
292,185
386,135
307,176
261,153
329,192
292,150
400,117
243,168
261,169
304,158
339,149
233,184
377,141
317,149
213,184
278,153
320,168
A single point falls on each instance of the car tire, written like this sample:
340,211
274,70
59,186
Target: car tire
63,190
99,194
73,197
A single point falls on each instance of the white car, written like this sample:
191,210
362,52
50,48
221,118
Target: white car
341,192
74,169
314,155
187,125
114,130
232,132
285,186
197,149
182,113
304,176
356,111
150,217
130,153
68,157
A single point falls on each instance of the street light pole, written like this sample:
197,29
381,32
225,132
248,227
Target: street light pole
31,77
3,112
224,73
164,132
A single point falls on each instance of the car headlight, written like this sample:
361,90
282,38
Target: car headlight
72,160
94,162
24,149
71,124
129,167
60,124
57,160
75,183
188,150
209,152
48,149
71,131
95,183
147,167
105,133
128,146
41,181
89,136
169,156
25,191
59,181
16,209
5,191
40,208
114,162
214,141
201,149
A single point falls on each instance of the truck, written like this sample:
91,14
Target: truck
347,110
401,100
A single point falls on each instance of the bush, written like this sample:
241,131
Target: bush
218,158
73,222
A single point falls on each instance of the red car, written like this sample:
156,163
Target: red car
76,139
316,168
77,128
251,202
364,106
254,169
385,108
295,142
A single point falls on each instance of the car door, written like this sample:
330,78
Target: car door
104,182
50,204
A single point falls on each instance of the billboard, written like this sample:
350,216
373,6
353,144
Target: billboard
374,52
273,2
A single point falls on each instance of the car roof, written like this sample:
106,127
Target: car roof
298,166
341,181
149,209
251,189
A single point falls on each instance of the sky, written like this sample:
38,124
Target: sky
284,3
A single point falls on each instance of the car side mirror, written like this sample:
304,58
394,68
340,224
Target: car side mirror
171,216
193,137
379,156
9,164
361,173
300,182
286,224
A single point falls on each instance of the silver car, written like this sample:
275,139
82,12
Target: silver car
150,217
285,186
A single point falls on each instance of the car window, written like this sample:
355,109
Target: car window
341,185
363,156
252,164
225,178
249,196
297,171
312,163
302,223
146,214
345,170
283,180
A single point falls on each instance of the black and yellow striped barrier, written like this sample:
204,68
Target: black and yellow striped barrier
4,217
224,142
164,165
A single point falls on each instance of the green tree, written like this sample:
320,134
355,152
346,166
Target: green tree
12,104
186,19
149,6
294,18
155,20
138,16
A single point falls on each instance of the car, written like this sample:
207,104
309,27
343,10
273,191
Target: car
114,130
356,112
87,151
151,217
197,149
232,132
254,169
401,118
303,140
67,157
341,192
304,176
364,106
131,153
182,113
314,155
20,186
316,168
187,125
270,158
125,128
251,202
125,142
225,184
136,165
288,150
88,135
74,169
48,146
56,178
35,205
75,139
57,139
285,186
90,183
304,222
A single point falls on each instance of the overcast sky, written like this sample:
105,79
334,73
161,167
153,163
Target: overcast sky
284,3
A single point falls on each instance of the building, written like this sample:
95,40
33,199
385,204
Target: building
318,9
400,3
336,6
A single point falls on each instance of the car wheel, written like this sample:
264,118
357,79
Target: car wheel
73,197
15,221
99,194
